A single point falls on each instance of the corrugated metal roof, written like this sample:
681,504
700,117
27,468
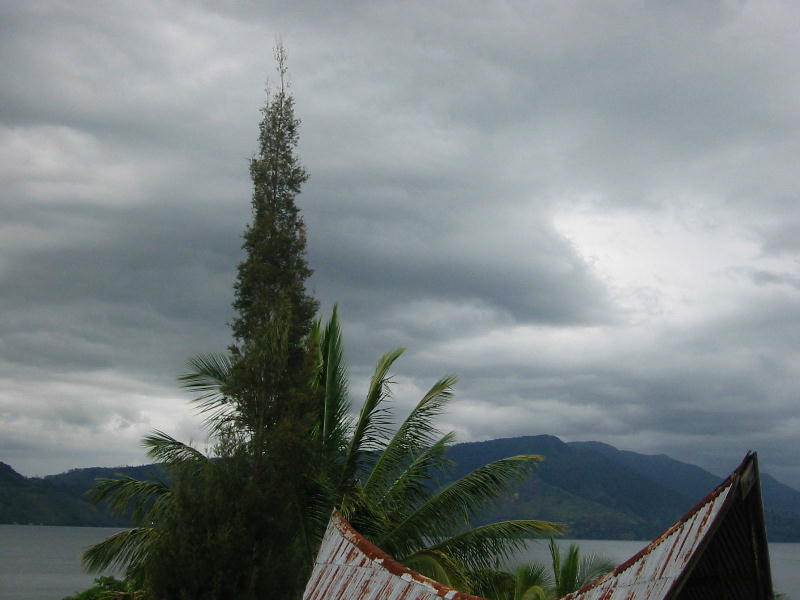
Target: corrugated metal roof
663,569
349,567
651,573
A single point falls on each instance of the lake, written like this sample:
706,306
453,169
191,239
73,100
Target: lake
43,563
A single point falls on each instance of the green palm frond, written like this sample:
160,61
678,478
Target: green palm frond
206,377
571,572
125,494
126,549
450,508
411,487
492,583
164,448
333,377
440,567
593,566
480,547
371,428
535,592
531,582
416,432
527,582
565,571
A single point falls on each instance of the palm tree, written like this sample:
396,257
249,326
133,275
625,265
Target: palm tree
572,571
382,481
526,582
568,573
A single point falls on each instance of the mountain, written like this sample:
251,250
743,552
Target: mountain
24,500
781,502
60,499
678,476
600,492
595,496
690,479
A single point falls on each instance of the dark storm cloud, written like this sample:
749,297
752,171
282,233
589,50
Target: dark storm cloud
156,292
446,144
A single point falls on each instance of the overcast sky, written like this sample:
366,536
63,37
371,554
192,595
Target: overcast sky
588,210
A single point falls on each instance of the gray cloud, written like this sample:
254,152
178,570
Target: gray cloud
588,214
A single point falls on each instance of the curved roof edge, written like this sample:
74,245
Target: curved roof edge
350,567
659,570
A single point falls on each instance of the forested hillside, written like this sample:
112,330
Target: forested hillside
605,493
60,499
599,491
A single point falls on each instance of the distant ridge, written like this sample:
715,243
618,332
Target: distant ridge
60,499
599,491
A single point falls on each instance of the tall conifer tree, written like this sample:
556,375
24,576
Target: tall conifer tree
245,513
274,312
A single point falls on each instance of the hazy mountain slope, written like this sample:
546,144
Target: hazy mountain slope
681,477
25,501
596,489
690,479
615,500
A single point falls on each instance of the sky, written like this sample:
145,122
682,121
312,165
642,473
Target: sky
587,210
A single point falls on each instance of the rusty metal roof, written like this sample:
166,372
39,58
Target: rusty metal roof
699,542
698,555
651,573
349,567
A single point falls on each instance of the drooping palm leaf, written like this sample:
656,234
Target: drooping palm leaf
126,549
417,432
206,377
125,494
449,509
164,448
480,547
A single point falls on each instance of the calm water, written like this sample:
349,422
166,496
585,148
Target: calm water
43,563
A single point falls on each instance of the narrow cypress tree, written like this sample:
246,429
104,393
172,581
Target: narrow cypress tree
274,312
272,361
275,267
245,514
235,527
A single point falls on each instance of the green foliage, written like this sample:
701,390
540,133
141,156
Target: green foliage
237,527
384,482
568,573
247,523
234,526
104,588
526,582
220,538
571,571
273,311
